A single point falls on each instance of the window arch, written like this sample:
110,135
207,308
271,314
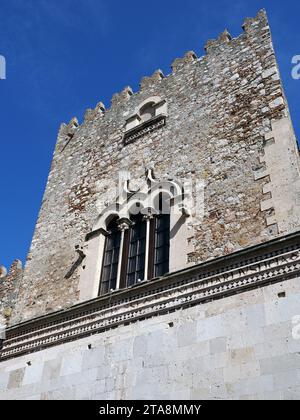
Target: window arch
137,248
152,110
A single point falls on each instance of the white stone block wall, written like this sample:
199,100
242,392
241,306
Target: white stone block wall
245,346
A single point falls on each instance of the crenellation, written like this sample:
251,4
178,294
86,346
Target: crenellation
120,98
92,114
178,63
214,44
89,115
100,108
147,82
66,133
251,24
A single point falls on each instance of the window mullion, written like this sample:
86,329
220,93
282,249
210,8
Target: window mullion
120,260
125,258
124,225
152,248
148,219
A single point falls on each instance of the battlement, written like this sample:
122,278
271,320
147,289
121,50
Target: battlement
250,26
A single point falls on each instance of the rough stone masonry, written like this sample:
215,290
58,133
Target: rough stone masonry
9,286
227,123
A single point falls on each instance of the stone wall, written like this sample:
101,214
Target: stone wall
222,110
9,287
242,347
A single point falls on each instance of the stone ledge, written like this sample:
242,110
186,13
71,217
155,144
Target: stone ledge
147,127
254,267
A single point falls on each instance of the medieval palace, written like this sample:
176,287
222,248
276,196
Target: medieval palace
165,262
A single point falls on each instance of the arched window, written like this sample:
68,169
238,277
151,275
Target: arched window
111,258
150,115
147,236
147,111
139,244
139,252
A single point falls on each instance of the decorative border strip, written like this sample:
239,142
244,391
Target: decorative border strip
186,288
145,128
109,301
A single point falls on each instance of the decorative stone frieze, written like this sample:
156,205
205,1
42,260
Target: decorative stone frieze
145,128
272,262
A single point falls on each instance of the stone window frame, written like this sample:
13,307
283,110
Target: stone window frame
94,249
136,126
148,219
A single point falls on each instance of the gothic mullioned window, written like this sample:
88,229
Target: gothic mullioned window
162,245
141,235
136,250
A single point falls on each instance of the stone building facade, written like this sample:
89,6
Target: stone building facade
215,137
9,287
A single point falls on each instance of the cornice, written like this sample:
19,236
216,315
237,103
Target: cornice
147,127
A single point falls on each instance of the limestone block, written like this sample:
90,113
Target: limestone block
210,328
4,378
255,316
280,364
187,334
33,373
16,378
51,369
93,358
218,345
286,380
140,346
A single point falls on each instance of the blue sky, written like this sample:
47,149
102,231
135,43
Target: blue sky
64,56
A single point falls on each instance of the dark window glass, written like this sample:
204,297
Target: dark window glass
111,258
136,257
162,245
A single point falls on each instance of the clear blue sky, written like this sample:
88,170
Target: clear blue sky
64,56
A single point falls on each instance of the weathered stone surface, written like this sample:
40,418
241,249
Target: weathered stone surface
9,286
220,109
